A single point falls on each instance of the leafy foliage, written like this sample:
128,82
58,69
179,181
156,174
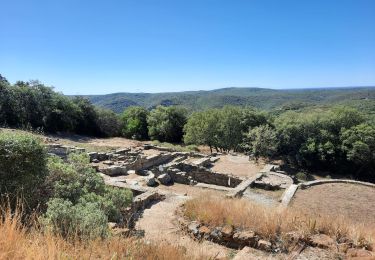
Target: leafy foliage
262,141
22,167
166,124
134,123
80,203
221,128
34,105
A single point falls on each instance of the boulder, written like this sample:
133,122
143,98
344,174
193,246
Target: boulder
93,156
165,179
115,170
102,156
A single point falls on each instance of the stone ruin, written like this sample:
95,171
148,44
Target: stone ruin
143,169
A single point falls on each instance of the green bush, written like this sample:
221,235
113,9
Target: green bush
302,176
87,221
22,167
112,202
80,203
72,180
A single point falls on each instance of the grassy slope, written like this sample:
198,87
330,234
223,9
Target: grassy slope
261,98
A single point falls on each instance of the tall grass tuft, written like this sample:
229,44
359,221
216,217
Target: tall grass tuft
19,241
273,224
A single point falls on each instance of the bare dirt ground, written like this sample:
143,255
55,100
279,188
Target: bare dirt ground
159,223
237,165
354,202
191,191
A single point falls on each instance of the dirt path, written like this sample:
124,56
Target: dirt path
160,225
237,165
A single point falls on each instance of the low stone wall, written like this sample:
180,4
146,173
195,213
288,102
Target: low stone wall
287,196
62,150
292,190
227,235
185,173
240,189
238,238
308,184
145,162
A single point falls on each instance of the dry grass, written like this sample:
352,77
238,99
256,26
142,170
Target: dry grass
17,242
271,223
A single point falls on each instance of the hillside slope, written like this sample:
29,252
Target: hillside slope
267,99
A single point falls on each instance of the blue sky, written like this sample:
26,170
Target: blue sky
97,47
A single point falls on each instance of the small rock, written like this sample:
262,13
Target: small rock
164,179
264,245
322,241
343,247
245,237
216,234
151,181
122,151
131,172
227,231
204,231
112,225
356,252
108,162
193,228
95,160
294,236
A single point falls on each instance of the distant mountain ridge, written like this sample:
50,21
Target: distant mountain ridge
261,98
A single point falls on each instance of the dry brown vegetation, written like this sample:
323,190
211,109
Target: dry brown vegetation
273,224
18,242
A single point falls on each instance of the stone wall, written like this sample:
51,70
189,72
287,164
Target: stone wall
186,173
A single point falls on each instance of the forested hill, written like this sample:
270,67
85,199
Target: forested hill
257,97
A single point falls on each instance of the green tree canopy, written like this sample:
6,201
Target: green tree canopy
134,123
166,124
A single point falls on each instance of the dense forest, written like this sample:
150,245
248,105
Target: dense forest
338,137
266,99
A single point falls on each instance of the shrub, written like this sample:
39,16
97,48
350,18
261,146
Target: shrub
87,221
22,166
302,176
112,202
80,204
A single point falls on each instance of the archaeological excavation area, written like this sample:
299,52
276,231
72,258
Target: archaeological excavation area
165,183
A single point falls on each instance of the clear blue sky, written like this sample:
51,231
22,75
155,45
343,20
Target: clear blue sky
96,47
